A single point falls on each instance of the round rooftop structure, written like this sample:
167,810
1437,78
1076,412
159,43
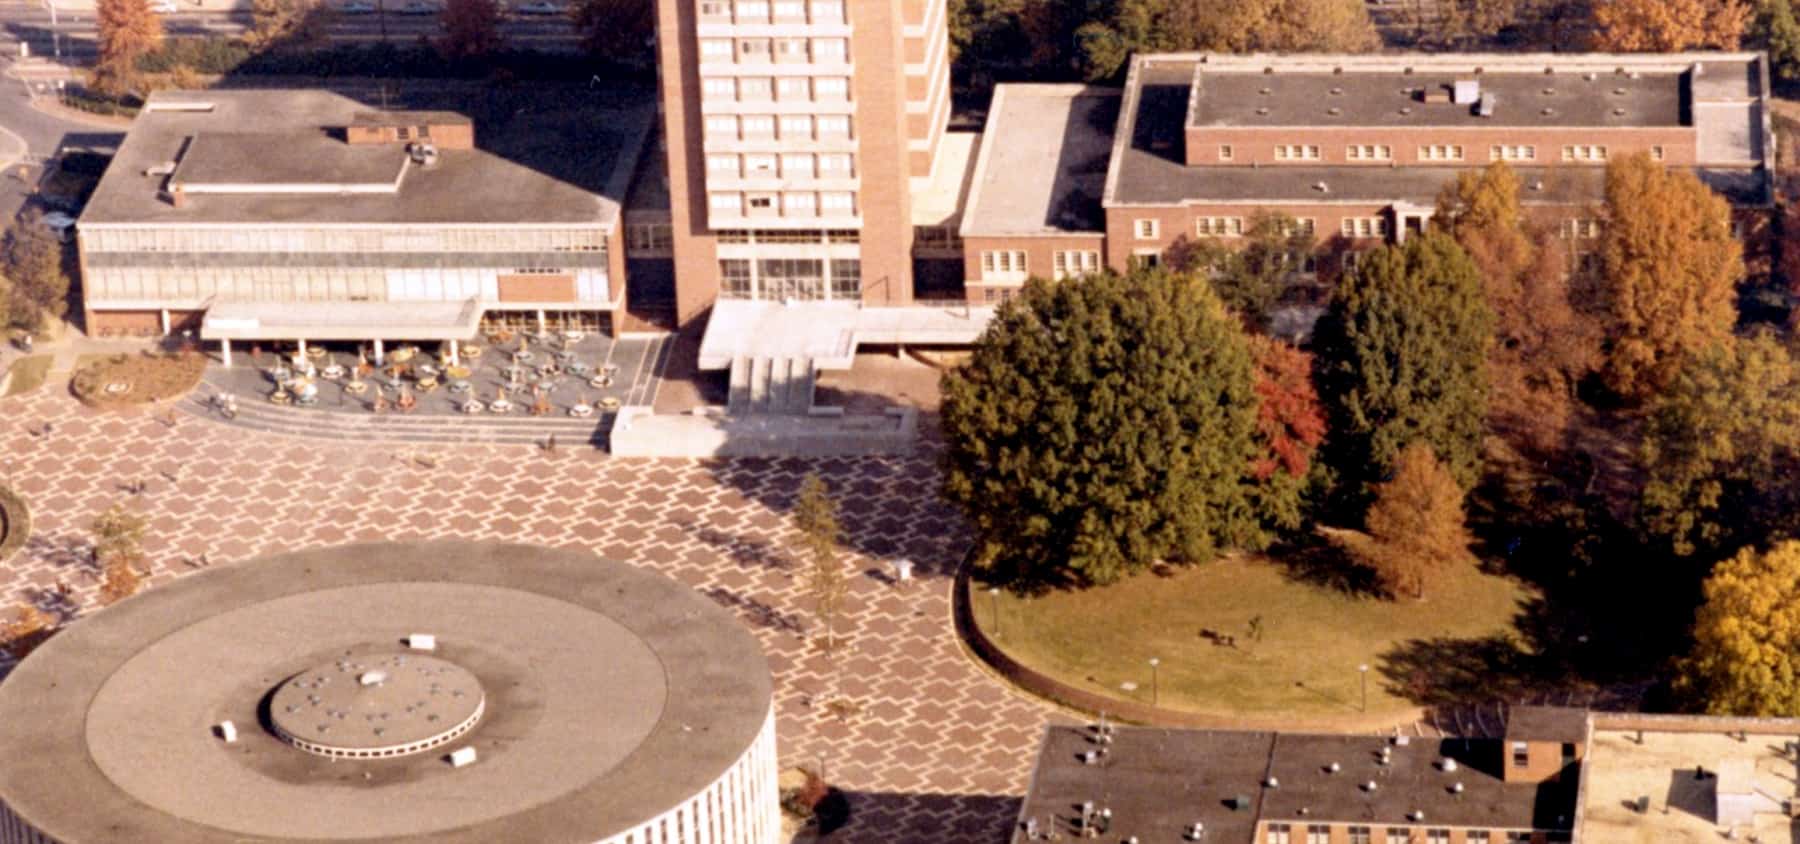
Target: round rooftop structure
566,698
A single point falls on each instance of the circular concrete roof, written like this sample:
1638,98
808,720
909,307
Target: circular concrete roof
364,702
610,694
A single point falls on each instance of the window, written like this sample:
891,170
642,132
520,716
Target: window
758,125
790,9
835,87
834,165
846,278
1146,229
753,49
1144,259
1656,152
756,10
1072,263
719,125
1363,227
831,11
715,9
1359,835
1398,836
796,127
1303,225
796,165
1521,754
762,202
1584,152
828,50
790,49
1219,226
1368,152
1277,834
719,88
1225,152
834,125
1518,837
734,279
1512,152
791,88
649,237
1584,228
726,202
799,204
715,49
1437,836
1476,836
1003,265
1441,152
1347,261
759,164
838,201
1296,152
722,165
1318,833
754,88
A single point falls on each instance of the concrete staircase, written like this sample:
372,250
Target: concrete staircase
429,428
771,386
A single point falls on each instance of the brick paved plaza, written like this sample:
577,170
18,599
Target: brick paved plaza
940,749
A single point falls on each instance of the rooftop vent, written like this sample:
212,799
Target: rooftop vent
1336,91
422,153
1272,782
1618,112
1456,788
1448,765
1265,91
1333,768
1406,109
1334,111
227,731
1618,92
1262,110
1238,803
1590,76
1549,70
422,642
1548,111
1321,187
163,169
1549,92
1486,107
1338,71
1465,91
1416,815
1195,831
461,756
1268,70
1408,71
1402,741
1370,786
1537,185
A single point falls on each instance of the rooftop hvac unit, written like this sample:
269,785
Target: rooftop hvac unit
422,642
1486,108
1465,91
227,731
461,756
1196,831
423,154
1448,764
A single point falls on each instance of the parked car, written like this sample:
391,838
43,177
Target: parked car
164,7
59,224
357,7
420,7
539,7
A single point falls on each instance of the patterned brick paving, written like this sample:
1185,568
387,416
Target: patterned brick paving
939,750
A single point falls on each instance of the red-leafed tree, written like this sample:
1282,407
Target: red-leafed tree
1290,424
471,28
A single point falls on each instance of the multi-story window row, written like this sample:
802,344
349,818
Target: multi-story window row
787,165
303,239
750,12
1513,152
783,203
184,285
790,278
763,127
764,51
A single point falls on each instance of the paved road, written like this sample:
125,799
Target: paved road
40,133
31,24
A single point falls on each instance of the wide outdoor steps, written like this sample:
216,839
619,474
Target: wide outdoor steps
320,423
771,386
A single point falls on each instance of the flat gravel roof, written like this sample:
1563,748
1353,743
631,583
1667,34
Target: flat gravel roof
613,693
1042,163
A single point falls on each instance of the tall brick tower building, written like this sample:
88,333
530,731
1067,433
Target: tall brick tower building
797,132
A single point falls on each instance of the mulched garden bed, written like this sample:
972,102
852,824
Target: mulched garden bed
120,381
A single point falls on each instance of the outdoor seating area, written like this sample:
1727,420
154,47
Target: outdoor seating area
507,370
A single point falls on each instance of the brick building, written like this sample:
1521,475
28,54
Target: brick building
1354,148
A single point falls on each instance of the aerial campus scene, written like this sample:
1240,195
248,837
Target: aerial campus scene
944,421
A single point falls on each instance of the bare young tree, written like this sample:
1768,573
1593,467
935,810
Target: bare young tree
118,549
815,516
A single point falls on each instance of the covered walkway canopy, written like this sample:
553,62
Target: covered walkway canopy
303,321
829,332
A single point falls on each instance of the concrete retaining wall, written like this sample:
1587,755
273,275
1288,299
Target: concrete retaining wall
640,432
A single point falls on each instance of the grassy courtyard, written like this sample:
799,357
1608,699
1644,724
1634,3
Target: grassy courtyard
1313,636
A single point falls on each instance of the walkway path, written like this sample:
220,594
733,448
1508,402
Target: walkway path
939,750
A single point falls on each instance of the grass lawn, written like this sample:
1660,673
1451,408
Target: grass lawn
1313,636
28,373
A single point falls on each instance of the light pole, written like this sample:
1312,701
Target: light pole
1363,669
55,33
1153,663
994,609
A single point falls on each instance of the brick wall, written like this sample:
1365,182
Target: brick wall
1256,145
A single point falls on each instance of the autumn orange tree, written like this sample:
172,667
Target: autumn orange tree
1746,653
118,550
28,628
1290,424
1104,44
1670,268
127,29
1662,26
1543,342
471,28
1416,523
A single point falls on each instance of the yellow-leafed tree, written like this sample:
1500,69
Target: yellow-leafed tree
1661,26
1416,523
1746,656
127,30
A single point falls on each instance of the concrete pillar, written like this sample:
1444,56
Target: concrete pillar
303,347
540,320
225,351
165,322
379,353
455,353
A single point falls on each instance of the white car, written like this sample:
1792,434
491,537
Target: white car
164,7
357,7
59,224
420,7
539,7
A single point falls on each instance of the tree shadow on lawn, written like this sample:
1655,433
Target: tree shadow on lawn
1318,560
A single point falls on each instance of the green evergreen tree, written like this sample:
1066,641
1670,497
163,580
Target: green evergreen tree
1776,31
1104,425
33,263
1401,358
1720,451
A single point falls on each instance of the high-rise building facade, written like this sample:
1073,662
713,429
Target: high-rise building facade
797,132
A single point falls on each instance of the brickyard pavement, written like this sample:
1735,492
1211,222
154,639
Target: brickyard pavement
939,750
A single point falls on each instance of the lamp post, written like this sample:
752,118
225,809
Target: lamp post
1363,669
55,33
1153,663
994,609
